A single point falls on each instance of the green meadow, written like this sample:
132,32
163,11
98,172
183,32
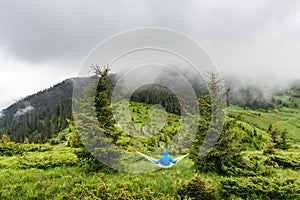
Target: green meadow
53,170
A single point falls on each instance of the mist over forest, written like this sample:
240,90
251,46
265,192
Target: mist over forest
21,119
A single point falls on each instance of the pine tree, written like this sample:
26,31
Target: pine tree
283,143
226,151
279,139
269,148
97,132
102,103
274,134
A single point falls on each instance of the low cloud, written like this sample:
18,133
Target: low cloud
1,115
30,77
23,111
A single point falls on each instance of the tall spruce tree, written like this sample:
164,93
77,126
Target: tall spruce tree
269,148
226,151
102,103
279,138
274,134
284,143
94,123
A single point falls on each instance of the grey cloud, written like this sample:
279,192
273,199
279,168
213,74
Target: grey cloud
237,34
257,40
2,115
49,30
23,111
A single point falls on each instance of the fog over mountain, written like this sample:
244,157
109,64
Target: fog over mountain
44,42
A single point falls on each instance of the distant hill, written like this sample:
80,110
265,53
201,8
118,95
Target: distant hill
40,116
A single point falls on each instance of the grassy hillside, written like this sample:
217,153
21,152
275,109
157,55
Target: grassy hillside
283,118
55,172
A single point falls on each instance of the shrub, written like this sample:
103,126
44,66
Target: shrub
11,148
132,189
47,161
260,188
35,147
128,190
89,162
88,191
291,161
198,188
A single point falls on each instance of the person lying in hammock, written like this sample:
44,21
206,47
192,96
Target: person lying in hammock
165,160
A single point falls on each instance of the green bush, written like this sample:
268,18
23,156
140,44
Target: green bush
89,162
53,141
35,147
47,161
260,188
128,190
198,188
132,189
286,162
248,165
11,148
87,191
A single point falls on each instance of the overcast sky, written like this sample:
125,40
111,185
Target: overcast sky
44,42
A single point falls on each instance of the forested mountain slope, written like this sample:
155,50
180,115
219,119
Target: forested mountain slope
40,116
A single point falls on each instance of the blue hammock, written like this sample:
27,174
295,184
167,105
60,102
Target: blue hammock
160,165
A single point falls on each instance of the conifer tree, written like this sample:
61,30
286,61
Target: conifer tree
94,123
283,143
279,139
274,134
102,103
226,151
269,148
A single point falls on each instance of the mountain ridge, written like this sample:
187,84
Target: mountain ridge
40,116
